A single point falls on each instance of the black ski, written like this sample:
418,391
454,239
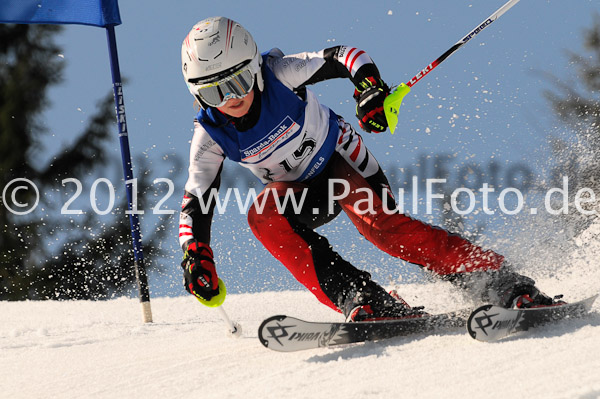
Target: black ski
288,334
491,323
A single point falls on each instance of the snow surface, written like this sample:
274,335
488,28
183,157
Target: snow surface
85,349
102,350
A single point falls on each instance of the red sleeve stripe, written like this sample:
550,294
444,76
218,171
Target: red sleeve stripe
356,151
184,226
185,234
354,60
348,54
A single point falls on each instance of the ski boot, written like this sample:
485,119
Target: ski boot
372,303
517,291
528,297
503,287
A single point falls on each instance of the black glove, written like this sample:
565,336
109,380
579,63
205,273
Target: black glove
369,96
199,272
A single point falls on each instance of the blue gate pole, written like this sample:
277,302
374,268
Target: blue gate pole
140,269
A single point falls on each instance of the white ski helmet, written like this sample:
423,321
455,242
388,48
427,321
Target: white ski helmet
215,49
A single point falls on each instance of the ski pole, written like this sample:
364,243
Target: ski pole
217,302
234,328
392,103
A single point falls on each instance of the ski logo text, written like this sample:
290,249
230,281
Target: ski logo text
487,321
292,333
420,75
278,331
477,30
484,322
122,122
322,337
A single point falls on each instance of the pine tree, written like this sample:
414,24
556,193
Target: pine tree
577,105
28,66
47,255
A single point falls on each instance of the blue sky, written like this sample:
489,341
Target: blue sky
484,104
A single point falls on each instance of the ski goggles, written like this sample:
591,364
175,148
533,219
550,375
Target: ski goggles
236,85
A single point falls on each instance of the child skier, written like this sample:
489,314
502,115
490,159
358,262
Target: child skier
257,111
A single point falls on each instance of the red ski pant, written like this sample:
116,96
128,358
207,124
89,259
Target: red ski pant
289,234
